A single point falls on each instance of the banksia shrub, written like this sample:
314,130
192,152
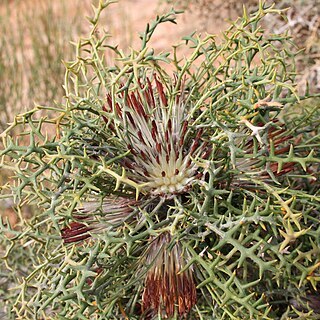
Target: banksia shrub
189,193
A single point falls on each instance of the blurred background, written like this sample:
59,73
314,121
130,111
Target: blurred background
36,36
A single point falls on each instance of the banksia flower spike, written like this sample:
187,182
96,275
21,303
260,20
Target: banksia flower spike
168,289
93,217
160,140
268,139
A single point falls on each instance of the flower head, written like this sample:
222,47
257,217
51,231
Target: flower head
161,141
167,288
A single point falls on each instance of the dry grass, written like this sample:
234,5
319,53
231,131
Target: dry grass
37,39
303,22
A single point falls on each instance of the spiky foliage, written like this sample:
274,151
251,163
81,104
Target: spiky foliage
189,193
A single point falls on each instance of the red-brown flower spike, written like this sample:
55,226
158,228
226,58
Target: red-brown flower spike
94,217
168,289
277,139
76,231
